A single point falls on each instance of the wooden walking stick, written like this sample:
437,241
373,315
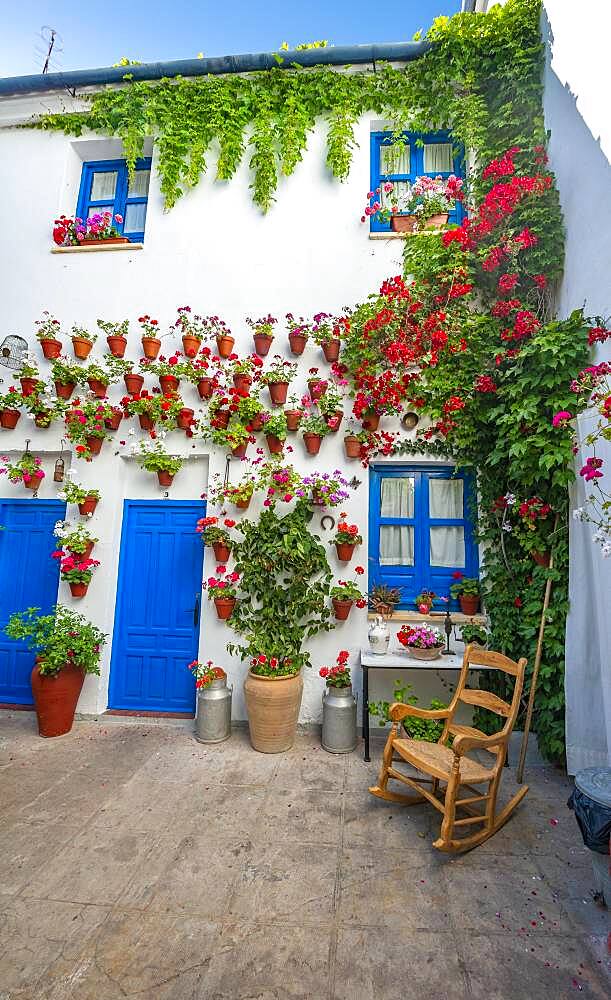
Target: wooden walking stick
535,673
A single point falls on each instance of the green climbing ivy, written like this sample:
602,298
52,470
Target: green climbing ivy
481,79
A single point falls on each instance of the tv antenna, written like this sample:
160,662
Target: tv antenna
48,47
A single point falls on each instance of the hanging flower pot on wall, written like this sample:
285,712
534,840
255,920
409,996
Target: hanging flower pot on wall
224,345
168,383
224,607
64,390
330,349
9,418
204,388
51,348
133,383
352,447
151,347
297,342
263,342
312,443
88,506
116,345
82,347
190,345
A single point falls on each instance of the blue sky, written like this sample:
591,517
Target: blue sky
100,32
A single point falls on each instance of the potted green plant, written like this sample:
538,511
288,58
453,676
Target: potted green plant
85,497
326,333
26,470
65,375
116,336
326,489
46,333
331,406
42,408
467,590
10,408
429,730
474,633
344,594
262,333
218,537
29,376
82,342
317,386
150,336
86,428
313,429
192,329
275,427
426,205
154,458
222,589
384,599
76,571
423,642
298,334
168,371
153,408
243,370
235,436
424,601
533,528
278,378
76,539
67,647
346,539
294,412
249,411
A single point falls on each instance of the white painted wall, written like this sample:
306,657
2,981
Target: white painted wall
217,253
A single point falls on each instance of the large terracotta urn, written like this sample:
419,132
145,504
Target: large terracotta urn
55,698
273,706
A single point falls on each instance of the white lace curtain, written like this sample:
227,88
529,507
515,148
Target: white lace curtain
447,543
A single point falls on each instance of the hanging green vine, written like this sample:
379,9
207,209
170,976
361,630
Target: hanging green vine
481,80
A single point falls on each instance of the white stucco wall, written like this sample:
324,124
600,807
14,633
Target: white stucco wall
217,253
577,115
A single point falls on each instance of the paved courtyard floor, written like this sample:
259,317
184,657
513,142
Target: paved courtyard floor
135,862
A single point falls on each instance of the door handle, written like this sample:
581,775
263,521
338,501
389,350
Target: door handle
196,611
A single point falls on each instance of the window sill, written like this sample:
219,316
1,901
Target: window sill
102,247
403,236
436,617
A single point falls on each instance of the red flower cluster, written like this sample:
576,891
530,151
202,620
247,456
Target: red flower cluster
534,509
485,384
339,675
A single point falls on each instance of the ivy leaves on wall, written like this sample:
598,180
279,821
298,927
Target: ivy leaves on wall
481,79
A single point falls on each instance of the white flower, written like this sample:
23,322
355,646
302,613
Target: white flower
131,432
510,499
507,526
606,549
578,514
599,536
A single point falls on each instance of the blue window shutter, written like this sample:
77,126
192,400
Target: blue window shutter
121,200
421,576
415,141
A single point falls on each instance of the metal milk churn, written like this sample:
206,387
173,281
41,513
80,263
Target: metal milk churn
213,722
379,636
338,720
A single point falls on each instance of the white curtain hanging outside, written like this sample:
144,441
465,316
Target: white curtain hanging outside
397,540
438,158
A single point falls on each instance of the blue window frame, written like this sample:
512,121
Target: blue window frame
420,529
422,153
107,187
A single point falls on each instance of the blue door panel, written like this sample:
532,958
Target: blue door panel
28,578
156,634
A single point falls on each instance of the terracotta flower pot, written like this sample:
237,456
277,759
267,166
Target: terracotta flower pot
352,447
224,345
256,424
85,554
341,608
168,383
240,450
94,444
116,345
165,478
317,388
224,607
78,589
330,349
33,483
88,505
297,342
9,418
64,390
243,504
113,422
221,551
190,344
82,347
345,551
333,420
263,342
51,348
28,385
204,388
371,421
185,418
312,443
133,383
403,223
425,654
55,699
541,558
146,422
221,419
436,221
278,392
151,347
293,419
242,382
275,445
106,239
272,704
98,388
469,604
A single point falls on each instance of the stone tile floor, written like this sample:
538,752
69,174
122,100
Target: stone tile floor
135,862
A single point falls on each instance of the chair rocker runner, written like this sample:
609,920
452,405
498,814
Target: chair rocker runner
450,765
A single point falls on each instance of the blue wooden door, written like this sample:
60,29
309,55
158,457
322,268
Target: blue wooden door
159,593
28,578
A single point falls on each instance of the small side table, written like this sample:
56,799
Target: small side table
397,661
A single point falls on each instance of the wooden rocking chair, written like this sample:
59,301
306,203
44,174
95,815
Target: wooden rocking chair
451,766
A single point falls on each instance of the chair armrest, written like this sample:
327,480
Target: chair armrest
397,712
462,744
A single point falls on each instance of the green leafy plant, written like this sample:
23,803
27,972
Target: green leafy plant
339,675
154,458
346,590
73,492
47,328
26,469
84,334
466,586
74,538
417,729
59,639
285,578
280,370
274,424
474,633
65,371
113,329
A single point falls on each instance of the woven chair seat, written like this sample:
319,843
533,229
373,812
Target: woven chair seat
436,760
